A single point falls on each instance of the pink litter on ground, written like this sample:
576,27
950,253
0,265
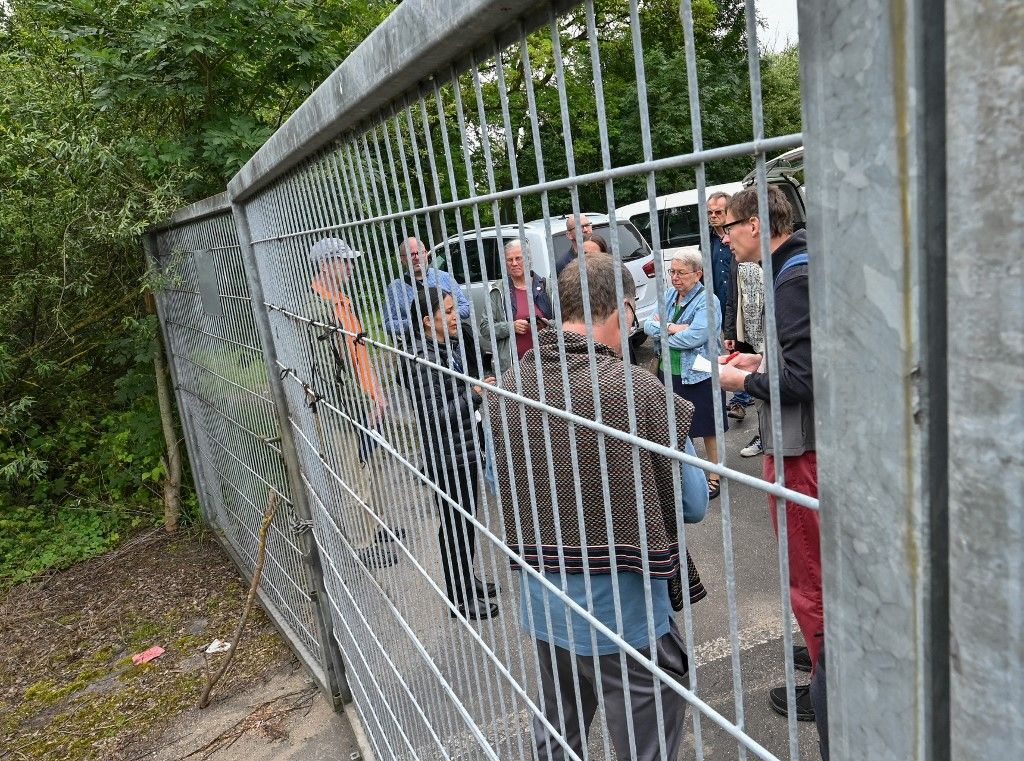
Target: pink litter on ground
147,655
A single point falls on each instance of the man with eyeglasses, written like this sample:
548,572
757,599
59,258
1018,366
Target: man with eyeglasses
414,261
724,277
792,316
570,233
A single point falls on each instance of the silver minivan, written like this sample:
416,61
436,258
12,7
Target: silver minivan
482,265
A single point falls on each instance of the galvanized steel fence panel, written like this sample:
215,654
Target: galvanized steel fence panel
378,166
228,415
432,131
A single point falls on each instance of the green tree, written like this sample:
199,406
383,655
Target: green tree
113,114
780,89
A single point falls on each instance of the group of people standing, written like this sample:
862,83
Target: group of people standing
608,542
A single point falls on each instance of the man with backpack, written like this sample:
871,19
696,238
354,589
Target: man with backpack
748,372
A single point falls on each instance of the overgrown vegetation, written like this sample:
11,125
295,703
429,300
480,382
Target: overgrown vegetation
113,114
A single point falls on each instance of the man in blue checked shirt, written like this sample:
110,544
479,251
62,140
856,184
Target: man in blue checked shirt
414,259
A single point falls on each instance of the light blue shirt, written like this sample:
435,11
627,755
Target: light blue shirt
698,339
633,603
400,293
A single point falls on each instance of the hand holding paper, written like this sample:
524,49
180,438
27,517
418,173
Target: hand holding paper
701,364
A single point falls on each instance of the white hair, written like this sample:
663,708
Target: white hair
690,258
522,245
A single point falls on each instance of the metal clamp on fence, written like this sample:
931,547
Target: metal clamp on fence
298,525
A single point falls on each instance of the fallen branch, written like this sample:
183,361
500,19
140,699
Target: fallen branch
257,718
257,574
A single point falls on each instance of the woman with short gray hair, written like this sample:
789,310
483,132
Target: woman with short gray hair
690,334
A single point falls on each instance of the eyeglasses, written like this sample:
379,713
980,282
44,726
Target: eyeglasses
680,273
634,324
727,227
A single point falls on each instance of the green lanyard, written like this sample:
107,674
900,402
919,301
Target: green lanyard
675,355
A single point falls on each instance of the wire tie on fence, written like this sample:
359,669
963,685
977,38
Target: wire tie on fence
312,397
272,439
360,338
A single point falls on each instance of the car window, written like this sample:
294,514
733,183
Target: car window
682,227
631,243
466,269
642,222
793,196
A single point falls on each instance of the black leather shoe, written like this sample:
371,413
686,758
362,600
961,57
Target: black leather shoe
476,610
377,556
801,659
804,708
485,588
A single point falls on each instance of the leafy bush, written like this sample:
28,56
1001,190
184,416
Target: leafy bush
112,115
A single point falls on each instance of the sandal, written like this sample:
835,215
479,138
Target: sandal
714,486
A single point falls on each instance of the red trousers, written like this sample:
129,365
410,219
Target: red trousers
804,533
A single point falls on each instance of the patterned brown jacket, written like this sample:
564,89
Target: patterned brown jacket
602,470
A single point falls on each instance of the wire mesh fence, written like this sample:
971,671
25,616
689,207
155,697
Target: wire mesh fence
394,440
229,417
483,294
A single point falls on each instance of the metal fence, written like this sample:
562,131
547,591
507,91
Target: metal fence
230,420
294,375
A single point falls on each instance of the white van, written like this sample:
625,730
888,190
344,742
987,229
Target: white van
635,251
678,220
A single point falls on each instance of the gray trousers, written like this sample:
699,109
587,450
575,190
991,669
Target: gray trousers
642,689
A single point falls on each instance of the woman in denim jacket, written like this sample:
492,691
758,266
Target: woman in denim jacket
685,320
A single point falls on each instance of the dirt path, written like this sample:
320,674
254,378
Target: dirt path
69,689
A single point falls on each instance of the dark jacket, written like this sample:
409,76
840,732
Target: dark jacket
793,329
723,265
500,314
445,406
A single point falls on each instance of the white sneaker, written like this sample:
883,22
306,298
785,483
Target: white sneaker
753,449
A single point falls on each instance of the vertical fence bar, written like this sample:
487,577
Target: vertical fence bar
874,116
985,65
334,668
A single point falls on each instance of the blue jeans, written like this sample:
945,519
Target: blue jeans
741,398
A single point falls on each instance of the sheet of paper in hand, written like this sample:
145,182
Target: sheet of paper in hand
701,365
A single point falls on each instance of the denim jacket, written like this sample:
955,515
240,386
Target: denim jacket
696,339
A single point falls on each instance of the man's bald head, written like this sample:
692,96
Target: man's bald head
570,228
414,255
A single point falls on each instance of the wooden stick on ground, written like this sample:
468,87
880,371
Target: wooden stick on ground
257,574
